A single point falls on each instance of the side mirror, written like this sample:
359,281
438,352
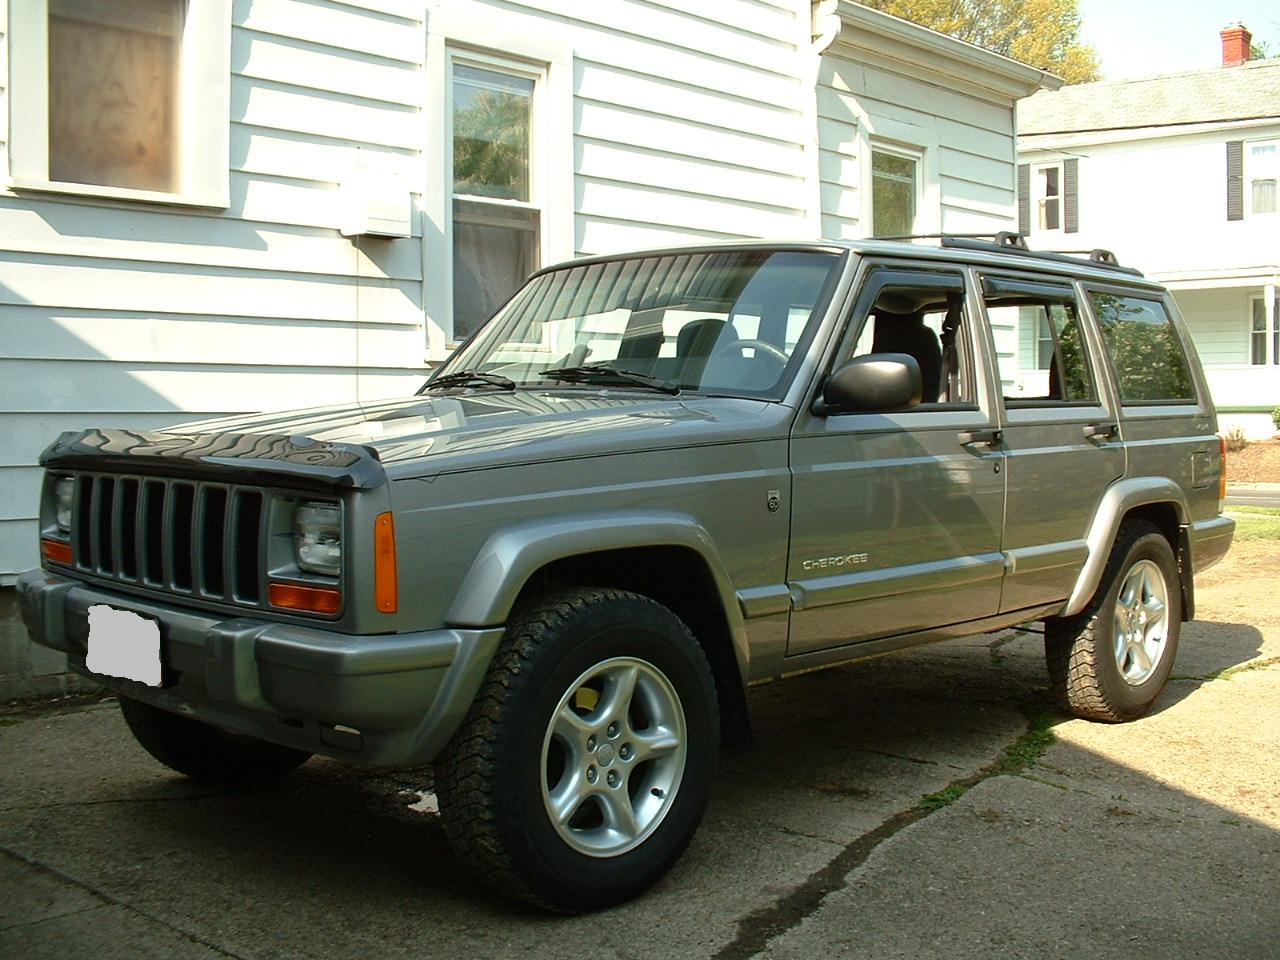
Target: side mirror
874,381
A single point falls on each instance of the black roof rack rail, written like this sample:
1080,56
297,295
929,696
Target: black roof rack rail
1009,242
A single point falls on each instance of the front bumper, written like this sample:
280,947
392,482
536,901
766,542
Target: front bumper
382,700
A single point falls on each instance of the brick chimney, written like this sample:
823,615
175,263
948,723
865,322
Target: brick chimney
1236,40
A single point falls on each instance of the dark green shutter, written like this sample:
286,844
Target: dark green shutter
1070,196
1235,180
1024,198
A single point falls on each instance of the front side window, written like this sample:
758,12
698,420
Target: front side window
495,219
720,322
1263,173
1147,356
1048,191
893,193
1039,344
925,318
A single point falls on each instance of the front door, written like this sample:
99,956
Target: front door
896,517
1060,434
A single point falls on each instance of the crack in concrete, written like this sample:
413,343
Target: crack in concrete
1226,673
110,900
758,928
97,803
57,916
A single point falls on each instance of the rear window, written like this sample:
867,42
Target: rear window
1148,359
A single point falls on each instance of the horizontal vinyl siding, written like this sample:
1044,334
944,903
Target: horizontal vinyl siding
139,316
1220,323
688,120
969,132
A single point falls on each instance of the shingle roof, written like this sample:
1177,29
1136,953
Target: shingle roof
1249,91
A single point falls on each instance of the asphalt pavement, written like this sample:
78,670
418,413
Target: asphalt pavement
1253,495
928,804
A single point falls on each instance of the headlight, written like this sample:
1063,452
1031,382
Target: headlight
64,491
317,537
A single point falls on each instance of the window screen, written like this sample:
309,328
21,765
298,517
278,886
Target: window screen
1146,355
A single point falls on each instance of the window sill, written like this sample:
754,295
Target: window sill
213,200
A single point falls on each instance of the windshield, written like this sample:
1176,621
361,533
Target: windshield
726,322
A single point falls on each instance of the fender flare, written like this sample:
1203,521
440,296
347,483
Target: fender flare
513,554
1119,499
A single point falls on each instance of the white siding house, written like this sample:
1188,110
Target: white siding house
1177,175
211,207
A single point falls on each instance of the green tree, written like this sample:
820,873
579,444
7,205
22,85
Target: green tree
1043,33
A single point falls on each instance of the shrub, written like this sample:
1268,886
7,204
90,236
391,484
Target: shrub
1275,417
1236,439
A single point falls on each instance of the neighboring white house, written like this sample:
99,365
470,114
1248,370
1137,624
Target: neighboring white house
218,206
1178,176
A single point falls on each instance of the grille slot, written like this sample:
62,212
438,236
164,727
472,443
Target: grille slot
178,536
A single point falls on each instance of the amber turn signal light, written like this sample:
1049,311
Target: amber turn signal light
384,563
297,596
55,550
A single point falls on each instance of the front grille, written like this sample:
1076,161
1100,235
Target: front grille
186,537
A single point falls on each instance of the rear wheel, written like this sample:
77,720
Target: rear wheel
586,761
206,753
1110,661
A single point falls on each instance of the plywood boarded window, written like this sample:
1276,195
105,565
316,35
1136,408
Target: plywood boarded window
114,68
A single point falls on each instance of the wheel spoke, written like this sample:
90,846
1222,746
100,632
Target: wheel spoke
1141,657
616,699
619,815
655,743
571,728
567,797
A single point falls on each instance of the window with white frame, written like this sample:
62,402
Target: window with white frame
1047,187
496,213
1259,334
1262,174
122,98
895,186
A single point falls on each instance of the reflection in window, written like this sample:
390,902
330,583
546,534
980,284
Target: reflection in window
893,194
1146,354
114,68
495,225
1041,355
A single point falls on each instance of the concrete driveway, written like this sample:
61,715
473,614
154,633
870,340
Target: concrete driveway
929,804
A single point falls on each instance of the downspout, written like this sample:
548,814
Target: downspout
824,29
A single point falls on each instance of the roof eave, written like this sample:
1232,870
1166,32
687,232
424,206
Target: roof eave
899,39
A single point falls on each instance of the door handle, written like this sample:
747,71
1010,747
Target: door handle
1101,431
989,437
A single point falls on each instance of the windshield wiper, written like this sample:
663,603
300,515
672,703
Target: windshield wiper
471,378
606,374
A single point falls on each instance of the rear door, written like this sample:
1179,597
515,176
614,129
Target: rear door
1061,433
896,517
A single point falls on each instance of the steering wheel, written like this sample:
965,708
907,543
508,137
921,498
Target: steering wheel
762,346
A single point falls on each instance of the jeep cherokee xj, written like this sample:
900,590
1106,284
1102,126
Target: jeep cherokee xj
646,482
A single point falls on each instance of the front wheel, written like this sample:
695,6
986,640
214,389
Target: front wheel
1111,660
587,759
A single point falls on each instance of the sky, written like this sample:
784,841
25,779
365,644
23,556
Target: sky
1136,38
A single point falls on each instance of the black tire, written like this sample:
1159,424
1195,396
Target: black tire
495,778
1085,669
206,753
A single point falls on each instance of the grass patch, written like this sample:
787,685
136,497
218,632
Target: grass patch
1019,755
1256,523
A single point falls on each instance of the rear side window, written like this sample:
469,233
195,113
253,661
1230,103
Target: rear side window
1041,353
1148,359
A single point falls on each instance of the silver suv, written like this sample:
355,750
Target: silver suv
647,482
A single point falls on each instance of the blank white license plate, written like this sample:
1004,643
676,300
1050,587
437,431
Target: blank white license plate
123,644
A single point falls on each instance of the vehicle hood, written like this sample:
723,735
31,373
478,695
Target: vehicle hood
422,435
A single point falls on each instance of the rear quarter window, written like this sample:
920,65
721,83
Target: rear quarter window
1149,361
